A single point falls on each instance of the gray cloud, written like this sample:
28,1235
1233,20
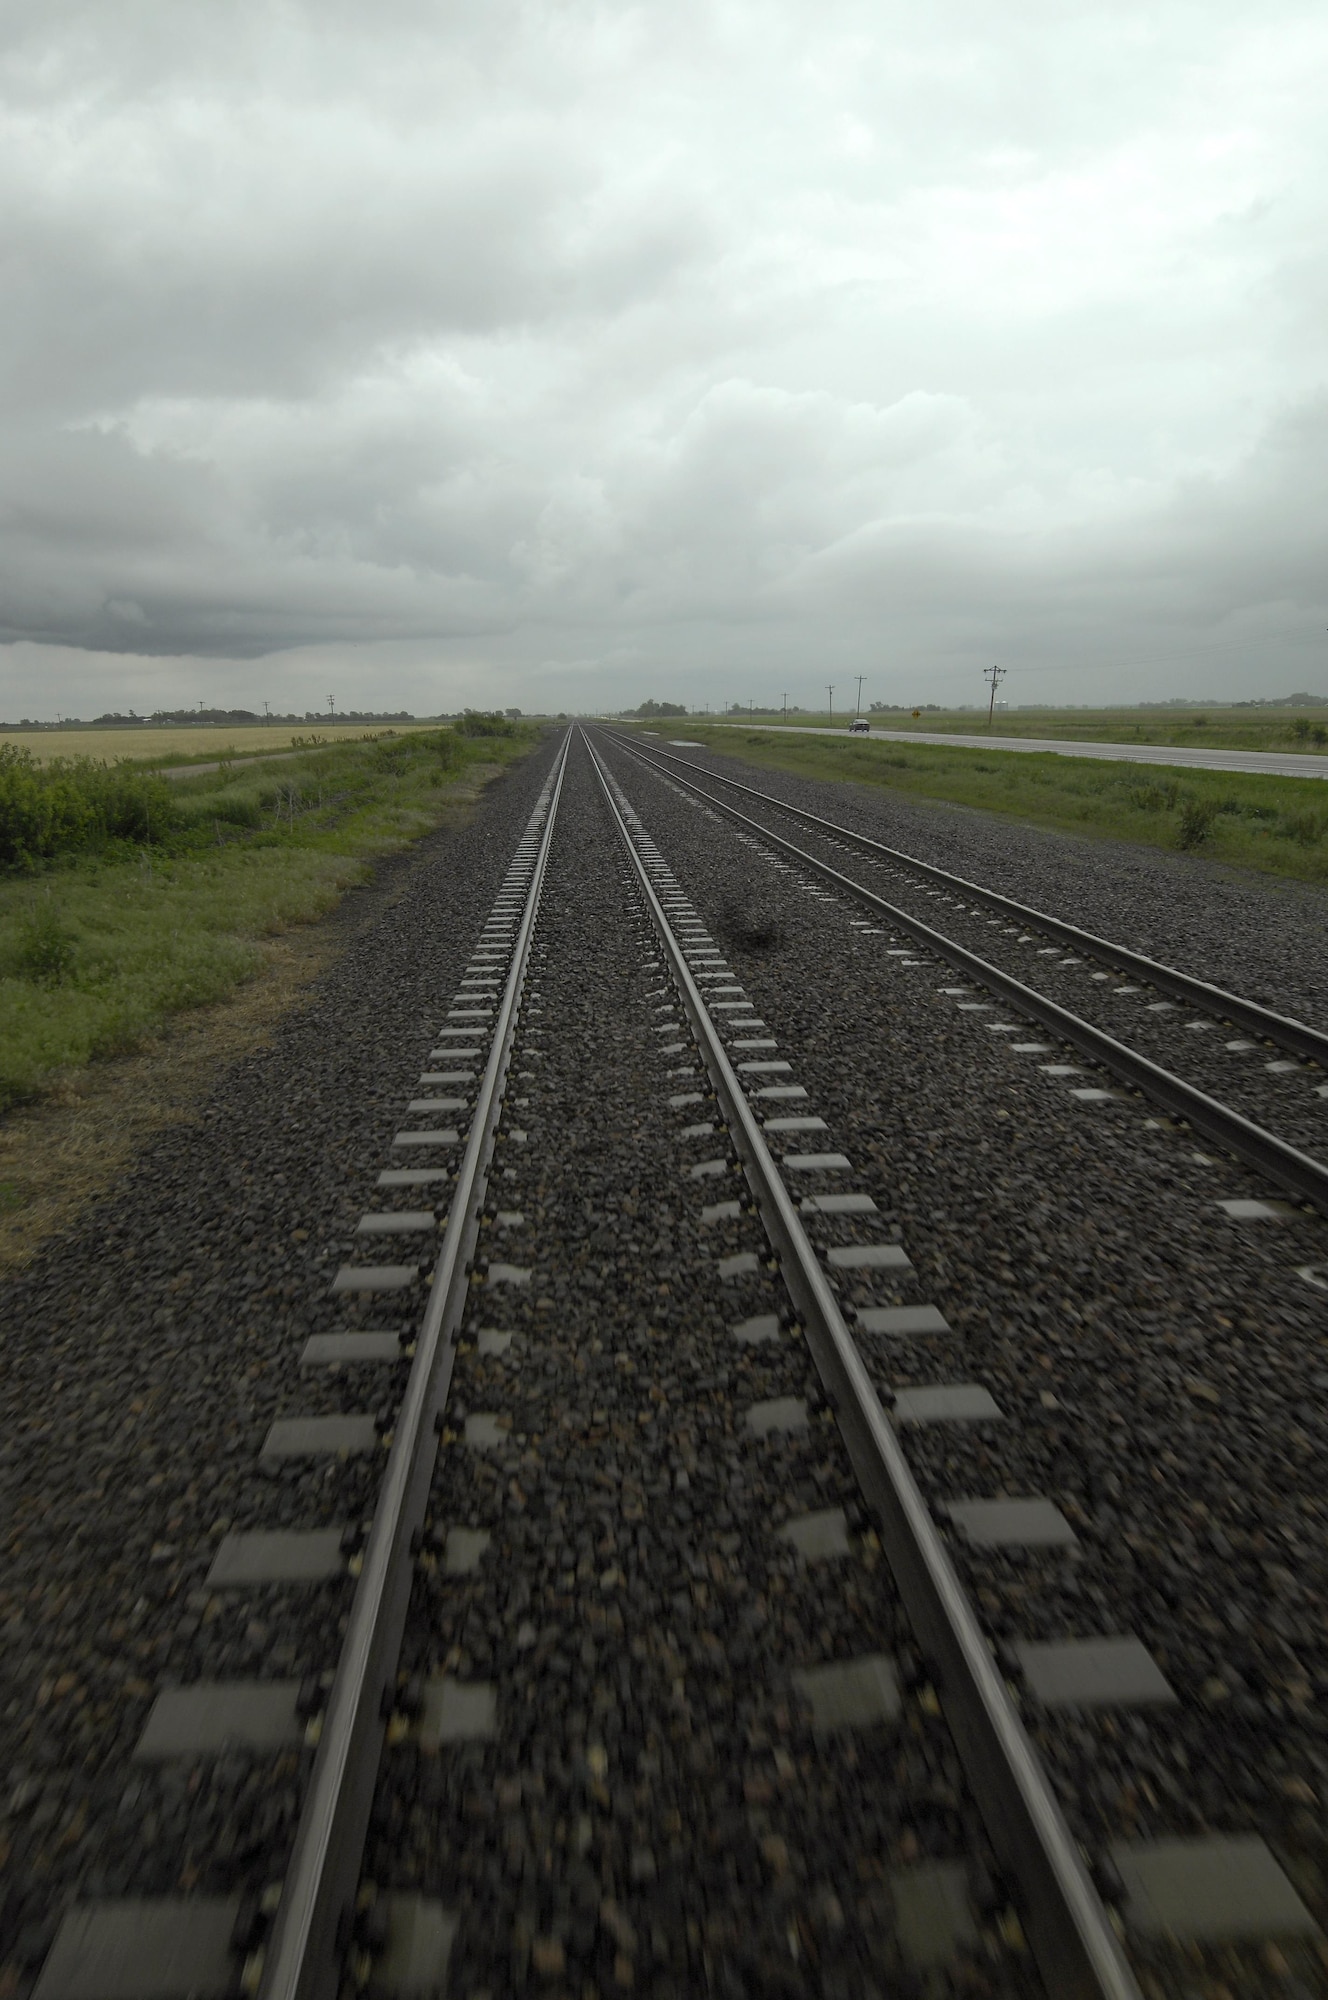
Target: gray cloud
579,352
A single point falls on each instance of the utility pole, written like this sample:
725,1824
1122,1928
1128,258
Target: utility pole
858,710
995,675
784,710
830,691
331,704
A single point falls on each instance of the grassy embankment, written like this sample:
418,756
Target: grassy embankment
1193,729
1279,825
126,896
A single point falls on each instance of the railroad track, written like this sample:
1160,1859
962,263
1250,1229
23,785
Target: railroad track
1302,1085
673,1661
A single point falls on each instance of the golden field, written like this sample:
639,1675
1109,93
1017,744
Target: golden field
183,745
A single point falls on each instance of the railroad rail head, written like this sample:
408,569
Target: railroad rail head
1069,1929
1282,1029
1298,1172
304,1956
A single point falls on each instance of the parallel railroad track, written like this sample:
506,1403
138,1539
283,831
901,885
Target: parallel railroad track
1290,1165
333,1920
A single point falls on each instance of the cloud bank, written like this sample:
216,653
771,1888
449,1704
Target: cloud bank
563,354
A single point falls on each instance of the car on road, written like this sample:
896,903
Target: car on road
859,726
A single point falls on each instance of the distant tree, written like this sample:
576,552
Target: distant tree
653,708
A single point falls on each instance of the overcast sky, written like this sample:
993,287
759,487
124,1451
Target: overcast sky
561,355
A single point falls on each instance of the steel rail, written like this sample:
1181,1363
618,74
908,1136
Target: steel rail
1068,1929
303,1959
1299,1173
1283,1029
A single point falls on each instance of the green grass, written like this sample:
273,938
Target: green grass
97,949
1277,825
1214,728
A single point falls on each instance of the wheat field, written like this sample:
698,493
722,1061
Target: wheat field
179,745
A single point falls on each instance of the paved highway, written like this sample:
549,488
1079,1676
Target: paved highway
1280,763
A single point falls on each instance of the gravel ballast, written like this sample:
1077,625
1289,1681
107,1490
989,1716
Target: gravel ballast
1256,934
1255,1075
661,1805
1158,1365
660,1727
146,1355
